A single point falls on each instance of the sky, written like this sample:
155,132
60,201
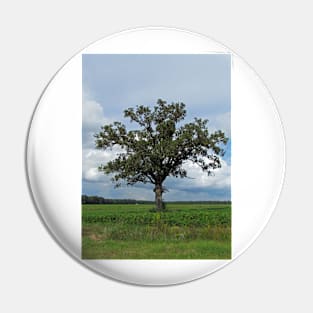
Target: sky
112,83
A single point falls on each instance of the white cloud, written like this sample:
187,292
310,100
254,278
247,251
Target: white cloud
93,115
93,118
199,179
92,159
222,122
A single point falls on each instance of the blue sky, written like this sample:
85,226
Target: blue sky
112,83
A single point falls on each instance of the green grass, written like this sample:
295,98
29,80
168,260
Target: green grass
184,231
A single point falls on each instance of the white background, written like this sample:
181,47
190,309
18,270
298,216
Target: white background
275,273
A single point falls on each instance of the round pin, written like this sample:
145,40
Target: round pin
155,156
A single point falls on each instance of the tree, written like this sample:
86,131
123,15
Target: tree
159,148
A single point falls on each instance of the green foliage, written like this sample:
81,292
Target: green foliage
160,146
195,218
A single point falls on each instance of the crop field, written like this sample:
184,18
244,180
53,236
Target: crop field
133,231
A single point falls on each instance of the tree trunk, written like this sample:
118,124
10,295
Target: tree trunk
158,197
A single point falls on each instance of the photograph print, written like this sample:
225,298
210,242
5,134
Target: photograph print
156,156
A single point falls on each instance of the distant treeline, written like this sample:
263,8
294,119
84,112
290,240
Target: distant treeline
100,200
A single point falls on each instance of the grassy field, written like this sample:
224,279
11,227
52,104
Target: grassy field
129,231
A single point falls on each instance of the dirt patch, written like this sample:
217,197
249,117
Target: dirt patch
95,237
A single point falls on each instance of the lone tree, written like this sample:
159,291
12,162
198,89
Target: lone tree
159,147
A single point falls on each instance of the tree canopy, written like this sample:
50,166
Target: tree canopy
160,146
